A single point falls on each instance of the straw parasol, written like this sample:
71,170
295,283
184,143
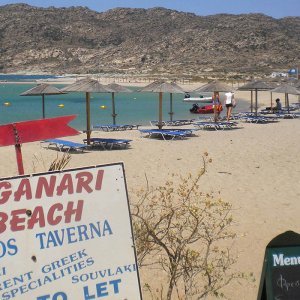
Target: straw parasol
256,85
116,89
214,87
42,90
161,87
296,83
87,86
286,89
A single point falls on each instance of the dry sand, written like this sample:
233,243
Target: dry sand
256,168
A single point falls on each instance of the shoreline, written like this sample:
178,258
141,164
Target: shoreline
265,97
127,82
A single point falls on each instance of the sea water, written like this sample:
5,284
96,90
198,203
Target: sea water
131,108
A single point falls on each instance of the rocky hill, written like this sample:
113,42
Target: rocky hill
144,41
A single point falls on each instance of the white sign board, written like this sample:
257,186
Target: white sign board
67,236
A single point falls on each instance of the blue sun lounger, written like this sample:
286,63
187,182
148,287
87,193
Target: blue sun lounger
62,145
163,133
210,125
173,123
254,119
186,131
286,115
109,144
110,127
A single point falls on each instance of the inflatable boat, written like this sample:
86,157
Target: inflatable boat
206,109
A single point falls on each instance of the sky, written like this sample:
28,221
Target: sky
273,8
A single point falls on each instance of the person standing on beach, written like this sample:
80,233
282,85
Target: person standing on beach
218,104
229,102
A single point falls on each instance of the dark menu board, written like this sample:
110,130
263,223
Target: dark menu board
280,278
283,273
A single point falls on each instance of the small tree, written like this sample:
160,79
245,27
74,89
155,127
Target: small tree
185,232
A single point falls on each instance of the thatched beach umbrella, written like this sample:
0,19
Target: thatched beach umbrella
162,87
286,89
214,87
296,84
87,86
42,90
256,86
116,89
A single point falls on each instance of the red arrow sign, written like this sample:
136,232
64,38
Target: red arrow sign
36,130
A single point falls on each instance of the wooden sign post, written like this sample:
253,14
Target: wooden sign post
280,278
36,130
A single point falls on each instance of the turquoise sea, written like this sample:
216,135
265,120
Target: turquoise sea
132,108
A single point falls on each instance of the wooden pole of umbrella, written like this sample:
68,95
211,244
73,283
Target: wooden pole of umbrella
88,118
271,100
215,106
251,101
113,108
287,102
160,124
43,105
256,102
171,113
116,88
285,99
18,150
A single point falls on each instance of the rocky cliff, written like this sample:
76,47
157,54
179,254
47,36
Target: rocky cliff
144,41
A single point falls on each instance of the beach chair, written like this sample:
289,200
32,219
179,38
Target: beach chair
286,115
62,145
233,117
173,123
253,119
179,122
164,134
108,143
186,131
210,125
131,126
270,119
245,113
155,123
116,127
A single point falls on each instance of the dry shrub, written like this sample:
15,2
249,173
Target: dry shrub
185,233
60,162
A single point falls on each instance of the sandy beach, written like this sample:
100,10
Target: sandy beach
255,167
